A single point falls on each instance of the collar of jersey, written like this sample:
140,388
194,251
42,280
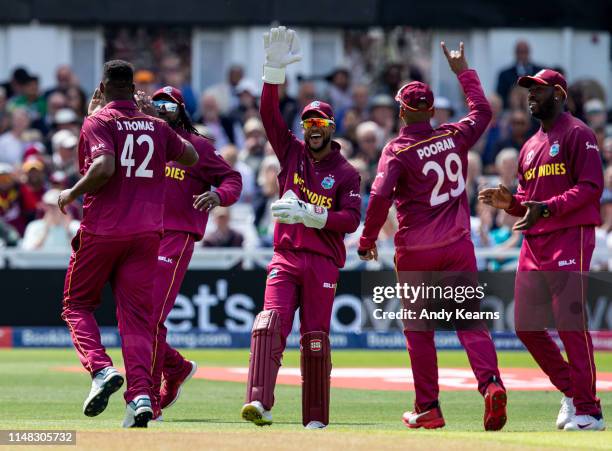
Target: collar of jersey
122,105
417,127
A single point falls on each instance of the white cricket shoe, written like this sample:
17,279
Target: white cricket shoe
315,425
566,412
105,382
138,412
585,423
255,413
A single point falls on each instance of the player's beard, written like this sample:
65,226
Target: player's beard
546,109
323,145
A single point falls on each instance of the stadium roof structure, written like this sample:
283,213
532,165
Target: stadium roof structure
453,14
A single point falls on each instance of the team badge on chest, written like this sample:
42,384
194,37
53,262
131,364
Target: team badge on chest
554,150
328,182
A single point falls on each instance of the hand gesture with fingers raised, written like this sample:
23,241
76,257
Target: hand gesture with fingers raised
456,58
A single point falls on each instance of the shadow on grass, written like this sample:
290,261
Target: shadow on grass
295,423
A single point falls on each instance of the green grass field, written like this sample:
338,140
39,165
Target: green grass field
34,396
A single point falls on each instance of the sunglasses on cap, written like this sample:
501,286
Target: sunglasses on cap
164,105
317,122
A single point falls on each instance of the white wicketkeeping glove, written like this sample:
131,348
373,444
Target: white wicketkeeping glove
290,210
282,47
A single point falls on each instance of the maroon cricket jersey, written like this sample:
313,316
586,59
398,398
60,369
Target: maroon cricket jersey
424,171
330,183
561,167
132,201
183,182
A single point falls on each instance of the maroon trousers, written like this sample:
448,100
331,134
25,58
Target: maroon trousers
175,251
127,262
458,257
550,290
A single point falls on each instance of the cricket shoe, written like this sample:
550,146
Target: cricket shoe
171,387
105,382
255,413
138,412
429,419
566,412
585,423
315,425
495,415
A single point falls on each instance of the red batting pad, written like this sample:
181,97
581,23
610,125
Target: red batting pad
316,370
265,359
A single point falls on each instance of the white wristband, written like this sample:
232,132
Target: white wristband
274,75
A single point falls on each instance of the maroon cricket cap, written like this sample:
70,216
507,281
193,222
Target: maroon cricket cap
322,108
171,92
414,93
546,77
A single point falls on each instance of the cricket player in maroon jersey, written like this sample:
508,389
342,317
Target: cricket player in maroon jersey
320,203
560,185
424,170
189,199
122,156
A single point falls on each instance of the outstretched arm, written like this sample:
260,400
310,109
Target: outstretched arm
281,47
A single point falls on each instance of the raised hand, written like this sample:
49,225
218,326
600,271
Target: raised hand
499,197
282,47
145,103
97,102
456,58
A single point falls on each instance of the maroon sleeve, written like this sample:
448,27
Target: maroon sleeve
472,126
585,170
98,135
278,133
215,170
381,196
346,218
174,144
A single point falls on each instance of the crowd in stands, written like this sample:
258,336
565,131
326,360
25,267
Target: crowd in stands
39,136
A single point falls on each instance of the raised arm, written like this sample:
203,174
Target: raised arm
472,126
282,47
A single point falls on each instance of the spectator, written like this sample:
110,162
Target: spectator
220,128
496,131
338,92
391,79
64,158
56,101
34,185
53,231
307,93
77,101
66,119
247,102
519,133
383,112
506,165
472,182
225,92
30,99
504,238
224,235
522,66
350,121
370,140
360,98
230,155
288,105
595,113
11,201
64,78
346,148
443,112
174,73
12,145
254,143
4,115
268,193
14,86
144,80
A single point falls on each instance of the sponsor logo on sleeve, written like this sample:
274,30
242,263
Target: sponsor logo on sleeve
352,194
567,262
273,273
161,258
329,285
592,146
97,147
529,157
